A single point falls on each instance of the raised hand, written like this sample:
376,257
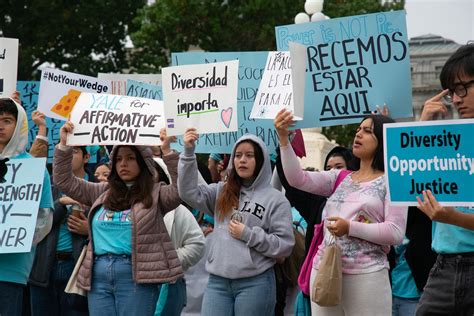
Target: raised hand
190,137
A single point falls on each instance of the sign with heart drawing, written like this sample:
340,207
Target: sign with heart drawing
203,96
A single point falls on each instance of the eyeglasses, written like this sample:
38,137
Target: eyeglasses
460,89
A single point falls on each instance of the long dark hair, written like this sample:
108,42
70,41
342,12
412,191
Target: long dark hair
378,121
229,196
119,196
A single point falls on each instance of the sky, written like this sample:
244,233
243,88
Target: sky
452,19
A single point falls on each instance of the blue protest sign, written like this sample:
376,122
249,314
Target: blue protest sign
20,195
352,64
251,68
144,90
436,156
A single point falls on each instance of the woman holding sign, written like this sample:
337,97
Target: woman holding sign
130,252
358,213
253,228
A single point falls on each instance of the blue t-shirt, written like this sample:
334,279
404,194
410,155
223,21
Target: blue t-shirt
16,267
450,239
112,232
403,283
65,236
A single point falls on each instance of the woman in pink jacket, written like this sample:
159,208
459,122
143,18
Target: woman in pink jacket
130,252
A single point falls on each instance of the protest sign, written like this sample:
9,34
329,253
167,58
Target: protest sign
20,195
276,89
251,68
144,90
203,96
352,64
60,91
118,82
29,100
106,119
436,156
8,65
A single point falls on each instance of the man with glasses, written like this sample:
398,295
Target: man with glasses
450,287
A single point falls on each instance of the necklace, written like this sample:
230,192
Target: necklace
356,177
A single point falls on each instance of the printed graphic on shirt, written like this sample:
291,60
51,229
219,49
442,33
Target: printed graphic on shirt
107,215
363,217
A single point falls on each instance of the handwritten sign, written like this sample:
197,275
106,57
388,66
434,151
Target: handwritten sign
251,69
61,89
119,81
276,89
203,96
8,65
20,196
144,90
436,156
352,65
106,119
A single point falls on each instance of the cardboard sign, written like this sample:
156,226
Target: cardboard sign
8,66
436,156
106,119
352,64
203,96
251,69
60,91
144,90
276,89
20,196
118,82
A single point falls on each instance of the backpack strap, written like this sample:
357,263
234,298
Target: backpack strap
344,173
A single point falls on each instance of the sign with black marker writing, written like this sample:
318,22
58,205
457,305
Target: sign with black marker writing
352,64
203,96
106,119
8,65
20,197
276,89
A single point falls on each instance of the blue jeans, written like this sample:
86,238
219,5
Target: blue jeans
52,300
240,297
176,299
11,298
449,290
114,292
404,306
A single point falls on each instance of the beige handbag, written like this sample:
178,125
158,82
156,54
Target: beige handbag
71,286
327,287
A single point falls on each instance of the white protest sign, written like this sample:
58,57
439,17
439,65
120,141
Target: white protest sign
275,91
298,66
203,96
8,65
106,119
59,91
20,195
119,81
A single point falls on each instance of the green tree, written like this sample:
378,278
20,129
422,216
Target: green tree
213,25
86,37
344,134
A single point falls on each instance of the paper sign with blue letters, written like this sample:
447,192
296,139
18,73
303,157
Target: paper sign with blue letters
352,65
21,195
436,156
203,96
107,119
8,66
276,89
144,90
118,82
251,68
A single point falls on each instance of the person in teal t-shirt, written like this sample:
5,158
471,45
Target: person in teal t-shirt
15,267
449,290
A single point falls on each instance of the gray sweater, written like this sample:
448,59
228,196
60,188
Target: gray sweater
265,212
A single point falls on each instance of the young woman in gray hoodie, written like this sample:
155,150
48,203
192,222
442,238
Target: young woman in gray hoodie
252,228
